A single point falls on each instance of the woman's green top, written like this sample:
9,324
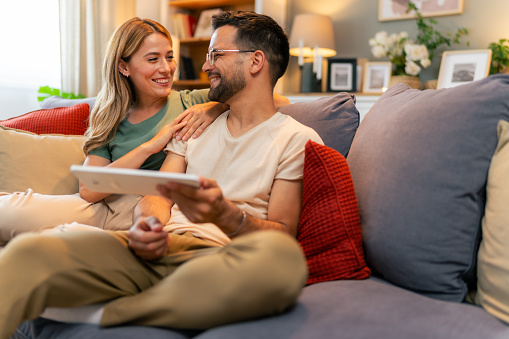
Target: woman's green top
129,136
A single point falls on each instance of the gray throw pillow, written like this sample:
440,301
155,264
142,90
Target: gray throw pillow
419,164
57,101
334,118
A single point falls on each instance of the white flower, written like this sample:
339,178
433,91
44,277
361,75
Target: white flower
403,35
378,51
425,62
381,38
411,68
372,42
413,52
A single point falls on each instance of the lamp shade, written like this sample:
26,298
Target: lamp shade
310,31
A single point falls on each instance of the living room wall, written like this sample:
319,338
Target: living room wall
356,21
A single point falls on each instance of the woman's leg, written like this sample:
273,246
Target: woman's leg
32,212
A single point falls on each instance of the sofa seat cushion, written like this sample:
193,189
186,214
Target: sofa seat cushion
419,163
48,329
353,309
366,309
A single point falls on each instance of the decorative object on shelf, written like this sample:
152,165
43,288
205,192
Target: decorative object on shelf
461,67
431,84
397,9
499,56
311,40
412,81
407,58
376,77
342,75
203,27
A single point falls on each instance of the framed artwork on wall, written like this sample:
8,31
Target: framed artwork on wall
461,67
342,75
376,77
396,9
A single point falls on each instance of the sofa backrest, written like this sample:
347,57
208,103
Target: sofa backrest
419,163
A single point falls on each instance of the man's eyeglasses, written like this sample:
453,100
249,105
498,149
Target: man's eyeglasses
212,54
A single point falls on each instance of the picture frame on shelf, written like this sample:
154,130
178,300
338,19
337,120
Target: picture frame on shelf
361,67
389,10
203,27
342,75
462,67
376,77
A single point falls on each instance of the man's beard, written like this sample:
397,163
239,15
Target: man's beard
227,88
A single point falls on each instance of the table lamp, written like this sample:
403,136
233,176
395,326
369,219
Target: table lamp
312,37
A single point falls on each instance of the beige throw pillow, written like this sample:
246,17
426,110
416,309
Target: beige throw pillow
493,260
39,162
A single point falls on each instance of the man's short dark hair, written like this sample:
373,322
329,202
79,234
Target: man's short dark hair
258,32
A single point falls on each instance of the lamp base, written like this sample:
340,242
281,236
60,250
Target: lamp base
308,81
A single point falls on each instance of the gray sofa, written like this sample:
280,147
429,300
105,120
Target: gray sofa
419,162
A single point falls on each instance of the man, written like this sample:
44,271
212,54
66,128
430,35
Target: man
197,258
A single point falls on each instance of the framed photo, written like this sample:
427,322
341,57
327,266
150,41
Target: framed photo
203,26
461,67
342,75
376,77
396,9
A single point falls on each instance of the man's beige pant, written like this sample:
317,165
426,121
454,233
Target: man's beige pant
196,285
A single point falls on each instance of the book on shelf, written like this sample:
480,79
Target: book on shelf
186,69
183,25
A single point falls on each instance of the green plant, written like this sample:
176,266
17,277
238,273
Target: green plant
46,91
429,36
499,56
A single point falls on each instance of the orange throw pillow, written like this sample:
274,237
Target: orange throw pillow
329,228
63,120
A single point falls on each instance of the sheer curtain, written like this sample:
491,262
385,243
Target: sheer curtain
85,28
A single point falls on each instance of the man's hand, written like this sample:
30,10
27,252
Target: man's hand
147,238
199,205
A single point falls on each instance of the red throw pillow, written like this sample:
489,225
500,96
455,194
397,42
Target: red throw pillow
63,120
329,228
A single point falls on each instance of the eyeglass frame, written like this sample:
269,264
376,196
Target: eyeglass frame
210,59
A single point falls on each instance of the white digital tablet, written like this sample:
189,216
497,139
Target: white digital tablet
128,181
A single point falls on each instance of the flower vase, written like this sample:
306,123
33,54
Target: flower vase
412,81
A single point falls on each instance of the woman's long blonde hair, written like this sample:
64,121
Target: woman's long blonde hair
117,93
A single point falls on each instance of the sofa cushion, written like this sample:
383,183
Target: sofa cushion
366,309
57,101
329,228
493,263
334,118
64,120
40,162
419,163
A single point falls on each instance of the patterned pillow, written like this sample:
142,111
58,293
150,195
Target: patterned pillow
329,228
63,120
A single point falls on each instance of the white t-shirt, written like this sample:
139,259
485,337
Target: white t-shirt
244,167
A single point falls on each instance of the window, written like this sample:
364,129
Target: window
30,56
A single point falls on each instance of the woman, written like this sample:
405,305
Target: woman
135,115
